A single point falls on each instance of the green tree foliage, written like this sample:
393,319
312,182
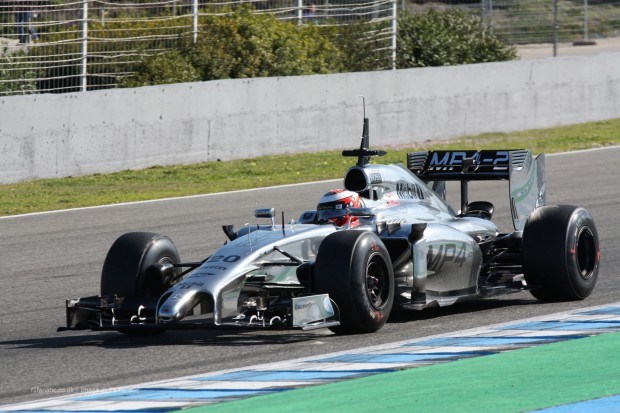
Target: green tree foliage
166,67
243,45
16,77
447,38
362,51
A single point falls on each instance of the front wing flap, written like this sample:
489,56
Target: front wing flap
116,313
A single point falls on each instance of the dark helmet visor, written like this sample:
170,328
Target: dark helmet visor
331,210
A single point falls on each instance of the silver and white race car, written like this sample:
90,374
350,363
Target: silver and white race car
408,248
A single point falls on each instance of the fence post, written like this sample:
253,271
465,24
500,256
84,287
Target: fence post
195,16
394,28
300,11
585,20
486,12
84,78
555,28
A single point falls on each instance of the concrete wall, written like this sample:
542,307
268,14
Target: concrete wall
45,136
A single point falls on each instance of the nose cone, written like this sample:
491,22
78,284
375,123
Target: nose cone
176,306
166,313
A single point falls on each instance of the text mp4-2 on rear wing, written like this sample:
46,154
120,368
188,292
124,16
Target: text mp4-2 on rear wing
525,175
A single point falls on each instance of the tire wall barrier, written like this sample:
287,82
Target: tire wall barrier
48,136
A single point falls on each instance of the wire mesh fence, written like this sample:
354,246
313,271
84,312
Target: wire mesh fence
55,46
65,46
532,21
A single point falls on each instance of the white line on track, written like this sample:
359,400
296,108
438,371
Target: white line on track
242,190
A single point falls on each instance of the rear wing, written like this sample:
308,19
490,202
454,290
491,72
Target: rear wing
525,175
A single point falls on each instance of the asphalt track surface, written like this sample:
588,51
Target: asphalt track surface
47,258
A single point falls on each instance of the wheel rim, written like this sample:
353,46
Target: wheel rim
154,291
169,260
585,253
377,281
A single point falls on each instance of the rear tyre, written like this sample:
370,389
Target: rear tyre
126,271
560,253
354,268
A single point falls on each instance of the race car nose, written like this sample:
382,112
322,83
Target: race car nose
175,307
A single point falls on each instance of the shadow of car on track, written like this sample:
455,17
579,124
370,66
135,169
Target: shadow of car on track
210,337
466,307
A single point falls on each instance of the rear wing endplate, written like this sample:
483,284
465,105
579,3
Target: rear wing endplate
525,175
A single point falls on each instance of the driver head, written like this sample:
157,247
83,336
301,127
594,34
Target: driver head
334,206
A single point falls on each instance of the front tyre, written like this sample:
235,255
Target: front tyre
561,253
355,269
126,269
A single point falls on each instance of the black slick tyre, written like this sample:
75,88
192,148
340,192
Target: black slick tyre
561,253
354,268
126,268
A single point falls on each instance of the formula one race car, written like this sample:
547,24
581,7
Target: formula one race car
346,265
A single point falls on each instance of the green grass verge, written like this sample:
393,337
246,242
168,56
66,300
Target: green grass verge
513,381
209,177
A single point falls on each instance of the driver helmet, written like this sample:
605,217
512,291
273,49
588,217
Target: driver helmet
334,205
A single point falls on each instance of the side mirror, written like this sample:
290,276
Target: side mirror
266,213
